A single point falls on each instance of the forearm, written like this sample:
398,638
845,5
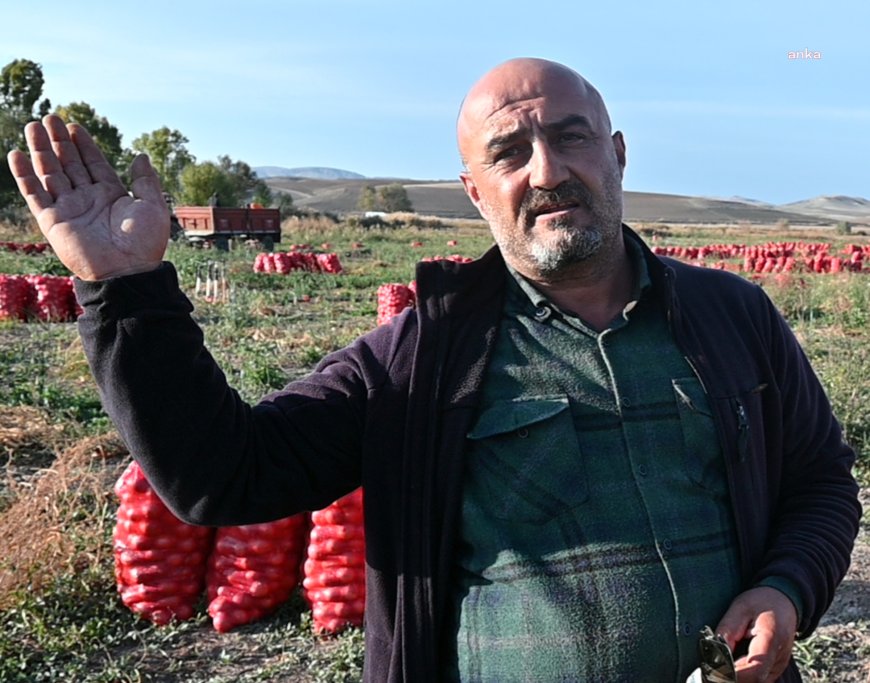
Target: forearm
213,458
810,542
816,512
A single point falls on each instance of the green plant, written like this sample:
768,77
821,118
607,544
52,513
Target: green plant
844,228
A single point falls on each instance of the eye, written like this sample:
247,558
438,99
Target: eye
507,153
570,136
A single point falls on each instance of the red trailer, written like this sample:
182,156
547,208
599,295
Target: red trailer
219,224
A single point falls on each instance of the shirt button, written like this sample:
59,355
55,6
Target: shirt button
542,313
687,629
642,471
523,433
667,545
625,401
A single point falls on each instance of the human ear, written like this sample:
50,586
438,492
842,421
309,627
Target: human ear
619,148
471,190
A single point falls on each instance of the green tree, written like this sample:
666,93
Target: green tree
199,182
245,181
9,132
283,202
21,83
106,135
263,195
368,199
394,197
169,156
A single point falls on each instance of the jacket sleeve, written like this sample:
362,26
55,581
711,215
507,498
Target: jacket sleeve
815,515
212,457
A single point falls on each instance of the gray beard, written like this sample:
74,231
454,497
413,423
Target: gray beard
574,246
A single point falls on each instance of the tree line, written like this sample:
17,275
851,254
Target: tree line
230,182
387,198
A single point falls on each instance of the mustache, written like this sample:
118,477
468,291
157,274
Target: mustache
572,191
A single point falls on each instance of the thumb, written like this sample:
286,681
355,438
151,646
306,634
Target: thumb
735,624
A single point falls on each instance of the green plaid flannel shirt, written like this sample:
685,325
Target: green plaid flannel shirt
596,536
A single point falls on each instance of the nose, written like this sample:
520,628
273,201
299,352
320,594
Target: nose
547,168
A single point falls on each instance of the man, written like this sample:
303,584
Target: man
575,455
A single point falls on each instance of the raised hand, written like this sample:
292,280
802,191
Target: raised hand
96,228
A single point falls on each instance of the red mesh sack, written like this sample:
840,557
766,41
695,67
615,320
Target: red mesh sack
393,298
52,297
160,561
334,583
15,297
253,569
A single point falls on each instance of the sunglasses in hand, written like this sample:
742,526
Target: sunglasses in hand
717,661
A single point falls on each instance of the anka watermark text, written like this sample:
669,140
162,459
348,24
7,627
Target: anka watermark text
806,53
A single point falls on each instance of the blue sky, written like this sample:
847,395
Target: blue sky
708,100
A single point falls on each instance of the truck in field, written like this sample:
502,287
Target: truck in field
218,225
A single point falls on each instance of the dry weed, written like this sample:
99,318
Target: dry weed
60,521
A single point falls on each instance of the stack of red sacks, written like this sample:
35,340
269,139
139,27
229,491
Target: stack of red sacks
393,298
15,295
159,560
334,580
25,247
53,299
162,564
253,569
44,297
288,261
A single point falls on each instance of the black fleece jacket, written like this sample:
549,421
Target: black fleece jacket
391,411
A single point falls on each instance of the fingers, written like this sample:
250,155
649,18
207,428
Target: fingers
66,151
62,158
734,626
768,618
92,157
46,165
29,185
770,647
763,649
145,183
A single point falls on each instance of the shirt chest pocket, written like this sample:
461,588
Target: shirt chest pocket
702,454
524,462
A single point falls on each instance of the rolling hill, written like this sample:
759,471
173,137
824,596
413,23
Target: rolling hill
447,199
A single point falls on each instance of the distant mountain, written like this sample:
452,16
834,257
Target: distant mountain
746,200
655,207
837,207
314,172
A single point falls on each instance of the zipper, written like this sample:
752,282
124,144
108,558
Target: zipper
742,430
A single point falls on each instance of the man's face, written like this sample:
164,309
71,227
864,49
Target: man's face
543,168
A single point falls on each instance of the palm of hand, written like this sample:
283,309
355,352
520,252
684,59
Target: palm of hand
96,228
117,232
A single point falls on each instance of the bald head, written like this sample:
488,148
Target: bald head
544,169
519,80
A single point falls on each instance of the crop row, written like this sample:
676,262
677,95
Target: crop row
774,257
